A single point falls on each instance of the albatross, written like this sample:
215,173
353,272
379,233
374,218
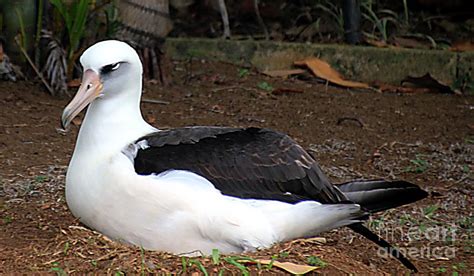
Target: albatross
195,189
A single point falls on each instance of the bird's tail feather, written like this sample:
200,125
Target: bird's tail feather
364,231
380,195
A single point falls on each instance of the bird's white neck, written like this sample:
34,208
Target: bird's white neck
111,124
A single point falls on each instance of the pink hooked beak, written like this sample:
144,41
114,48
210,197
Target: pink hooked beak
89,90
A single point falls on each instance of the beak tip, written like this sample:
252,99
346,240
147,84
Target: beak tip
64,128
65,123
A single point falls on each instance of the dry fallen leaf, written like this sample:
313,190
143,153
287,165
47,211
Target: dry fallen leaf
412,42
429,82
283,73
292,268
376,43
390,88
323,70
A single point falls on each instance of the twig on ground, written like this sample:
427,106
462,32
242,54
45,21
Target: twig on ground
155,101
225,88
23,51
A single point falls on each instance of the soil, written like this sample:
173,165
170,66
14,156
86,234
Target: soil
427,139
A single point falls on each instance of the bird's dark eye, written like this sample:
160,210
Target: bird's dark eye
109,68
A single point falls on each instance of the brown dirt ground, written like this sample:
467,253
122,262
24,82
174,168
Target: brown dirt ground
426,138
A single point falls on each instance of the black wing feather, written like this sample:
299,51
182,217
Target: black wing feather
242,162
247,163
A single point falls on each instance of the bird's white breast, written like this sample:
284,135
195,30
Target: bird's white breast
176,211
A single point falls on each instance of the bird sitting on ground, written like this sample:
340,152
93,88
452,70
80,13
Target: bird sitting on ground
195,189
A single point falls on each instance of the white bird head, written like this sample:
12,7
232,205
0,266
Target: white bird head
110,68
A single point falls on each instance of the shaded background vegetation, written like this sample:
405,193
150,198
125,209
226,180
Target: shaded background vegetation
45,37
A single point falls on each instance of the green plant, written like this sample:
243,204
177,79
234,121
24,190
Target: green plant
466,222
39,27
235,260
265,86
188,262
272,261
464,82
21,22
283,254
199,265
66,248
75,18
422,227
7,220
406,218
215,256
465,168
379,20
243,72
335,11
442,269
375,223
57,269
459,266
112,21
40,178
184,264
419,165
316,261
430,210
142,263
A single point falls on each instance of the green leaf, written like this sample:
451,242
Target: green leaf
77,31
40,178
199,265
66,248
215,256
316,261
430,210
243,72
265,86
62,9
184,263
235,261
7,220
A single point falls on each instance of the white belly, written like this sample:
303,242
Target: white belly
181,212
177,211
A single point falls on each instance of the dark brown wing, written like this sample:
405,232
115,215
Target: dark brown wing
241,162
